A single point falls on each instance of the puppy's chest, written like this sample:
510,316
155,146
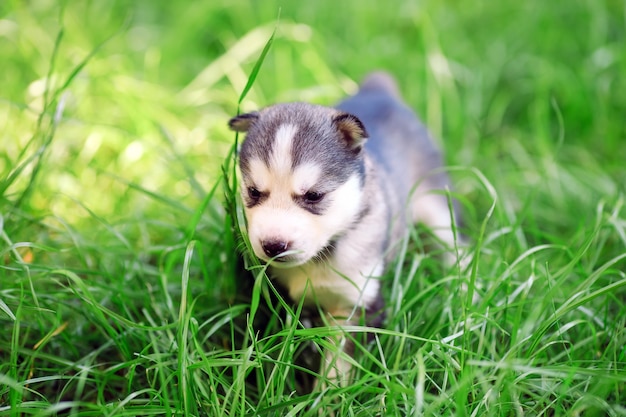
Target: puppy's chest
337,290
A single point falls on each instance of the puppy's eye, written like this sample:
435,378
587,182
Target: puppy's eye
253,193
312,197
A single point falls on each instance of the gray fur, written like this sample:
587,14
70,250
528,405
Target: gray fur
316,141
399,145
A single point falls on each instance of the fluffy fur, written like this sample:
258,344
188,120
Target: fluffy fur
328,193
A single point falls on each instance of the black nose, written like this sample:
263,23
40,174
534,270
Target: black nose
274,248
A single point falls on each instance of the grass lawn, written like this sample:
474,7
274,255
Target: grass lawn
122,291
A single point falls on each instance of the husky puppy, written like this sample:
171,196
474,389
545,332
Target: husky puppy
328,193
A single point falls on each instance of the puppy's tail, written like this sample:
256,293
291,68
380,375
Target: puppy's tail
380,81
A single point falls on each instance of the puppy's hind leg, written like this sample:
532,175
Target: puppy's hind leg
432,210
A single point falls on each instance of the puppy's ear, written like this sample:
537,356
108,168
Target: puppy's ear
351,129
243,122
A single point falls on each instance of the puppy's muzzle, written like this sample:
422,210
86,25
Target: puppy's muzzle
273,248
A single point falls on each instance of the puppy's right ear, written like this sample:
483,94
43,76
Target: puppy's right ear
243,122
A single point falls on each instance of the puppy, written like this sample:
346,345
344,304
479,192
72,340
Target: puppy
328,193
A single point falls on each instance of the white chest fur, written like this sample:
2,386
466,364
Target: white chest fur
337,286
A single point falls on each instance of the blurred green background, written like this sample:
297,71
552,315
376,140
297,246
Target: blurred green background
162,78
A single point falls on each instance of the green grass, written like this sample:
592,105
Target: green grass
121,288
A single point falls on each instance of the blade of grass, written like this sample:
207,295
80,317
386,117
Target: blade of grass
184,316
258,64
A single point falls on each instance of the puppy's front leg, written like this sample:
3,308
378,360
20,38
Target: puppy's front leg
335,365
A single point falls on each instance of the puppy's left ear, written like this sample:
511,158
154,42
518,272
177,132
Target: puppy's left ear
351,129
243,122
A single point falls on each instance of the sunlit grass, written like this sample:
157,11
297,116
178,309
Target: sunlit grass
122,288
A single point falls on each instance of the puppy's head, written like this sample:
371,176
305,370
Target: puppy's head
302,177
